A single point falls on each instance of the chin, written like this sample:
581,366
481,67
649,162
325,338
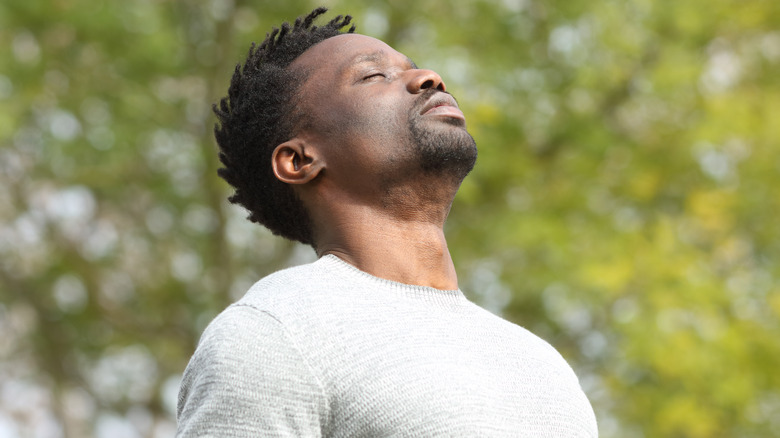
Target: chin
453,152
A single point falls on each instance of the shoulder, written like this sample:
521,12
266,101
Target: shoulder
307,294
246,363
244,325
235,342
524,345
287,285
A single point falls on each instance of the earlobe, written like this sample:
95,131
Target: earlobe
295,162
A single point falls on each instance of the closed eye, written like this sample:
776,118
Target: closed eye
374,76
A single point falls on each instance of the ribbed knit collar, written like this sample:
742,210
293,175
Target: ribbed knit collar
448,298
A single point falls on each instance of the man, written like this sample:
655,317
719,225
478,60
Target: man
338,141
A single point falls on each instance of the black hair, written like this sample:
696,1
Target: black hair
258,114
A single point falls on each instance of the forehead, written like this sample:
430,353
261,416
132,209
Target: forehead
338,53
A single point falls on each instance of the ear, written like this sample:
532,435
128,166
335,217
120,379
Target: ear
296,162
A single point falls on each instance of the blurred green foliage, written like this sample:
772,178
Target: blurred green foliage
622,205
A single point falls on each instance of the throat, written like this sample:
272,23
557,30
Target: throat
413,253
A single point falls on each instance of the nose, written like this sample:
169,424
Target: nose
424,79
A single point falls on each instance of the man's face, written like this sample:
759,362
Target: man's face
377,116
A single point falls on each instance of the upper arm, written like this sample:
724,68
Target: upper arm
248,378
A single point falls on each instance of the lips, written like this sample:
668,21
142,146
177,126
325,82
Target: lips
442,104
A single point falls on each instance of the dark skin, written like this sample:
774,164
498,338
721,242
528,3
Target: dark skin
353,164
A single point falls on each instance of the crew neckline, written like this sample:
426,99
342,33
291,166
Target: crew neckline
333,263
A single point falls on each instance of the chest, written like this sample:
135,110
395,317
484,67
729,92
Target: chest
450,383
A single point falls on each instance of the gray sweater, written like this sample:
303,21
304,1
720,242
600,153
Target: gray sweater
328,350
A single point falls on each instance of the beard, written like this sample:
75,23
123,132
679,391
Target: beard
443,147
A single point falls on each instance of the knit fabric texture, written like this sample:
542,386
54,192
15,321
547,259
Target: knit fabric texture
327,350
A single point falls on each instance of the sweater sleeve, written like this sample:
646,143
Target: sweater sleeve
247,378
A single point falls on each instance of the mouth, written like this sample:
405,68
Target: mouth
442,104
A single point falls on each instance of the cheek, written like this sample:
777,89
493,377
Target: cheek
381,119
341,118
372,120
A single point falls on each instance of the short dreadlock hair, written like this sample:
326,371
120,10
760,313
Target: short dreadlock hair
258,114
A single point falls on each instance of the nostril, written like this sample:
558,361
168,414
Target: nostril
427,84
440,87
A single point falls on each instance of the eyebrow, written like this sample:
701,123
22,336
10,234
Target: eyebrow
376,57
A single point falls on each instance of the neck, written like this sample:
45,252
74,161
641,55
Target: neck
406,250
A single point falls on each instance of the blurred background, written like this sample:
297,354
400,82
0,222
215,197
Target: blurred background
622,206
